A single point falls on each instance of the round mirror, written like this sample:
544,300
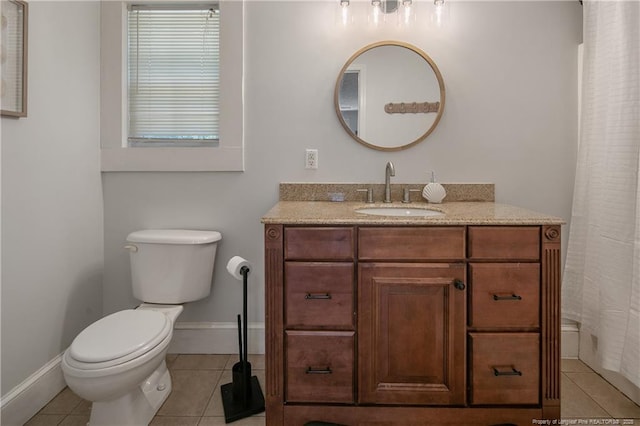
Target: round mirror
389,96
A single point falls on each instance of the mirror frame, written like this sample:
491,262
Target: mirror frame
436,71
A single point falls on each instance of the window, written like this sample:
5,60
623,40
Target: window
173,75
210,150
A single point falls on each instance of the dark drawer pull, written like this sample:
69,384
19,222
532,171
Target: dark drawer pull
326,370
513,372
512,297
310,296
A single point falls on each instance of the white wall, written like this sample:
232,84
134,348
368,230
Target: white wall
510,74
52,220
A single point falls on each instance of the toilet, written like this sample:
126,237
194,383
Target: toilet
118,362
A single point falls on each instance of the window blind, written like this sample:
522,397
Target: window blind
12,65
173,75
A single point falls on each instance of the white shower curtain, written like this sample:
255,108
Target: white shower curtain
601,285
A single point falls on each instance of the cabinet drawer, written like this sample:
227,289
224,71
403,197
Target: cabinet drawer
319,294
411,243
504,242
505,295
319,366
505,368
319,243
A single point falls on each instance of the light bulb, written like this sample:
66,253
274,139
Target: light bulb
407,13
376,12
439,12
345,16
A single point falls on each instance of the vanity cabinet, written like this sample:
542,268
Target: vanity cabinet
420,325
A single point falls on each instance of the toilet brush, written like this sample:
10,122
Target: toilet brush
243,396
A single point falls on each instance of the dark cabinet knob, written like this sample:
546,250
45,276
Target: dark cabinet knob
459,284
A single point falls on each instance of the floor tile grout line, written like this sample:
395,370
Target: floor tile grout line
592,371
586,392
601,377
213,392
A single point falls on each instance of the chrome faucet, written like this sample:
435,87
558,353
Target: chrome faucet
389,171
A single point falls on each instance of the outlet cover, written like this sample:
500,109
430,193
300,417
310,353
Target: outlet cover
311,159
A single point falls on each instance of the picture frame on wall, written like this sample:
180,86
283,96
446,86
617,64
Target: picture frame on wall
13,57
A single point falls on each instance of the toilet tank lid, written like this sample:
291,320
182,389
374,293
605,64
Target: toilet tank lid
174,236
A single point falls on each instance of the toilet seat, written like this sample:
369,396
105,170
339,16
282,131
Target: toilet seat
118,338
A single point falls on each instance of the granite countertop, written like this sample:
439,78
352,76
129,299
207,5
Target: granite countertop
455,213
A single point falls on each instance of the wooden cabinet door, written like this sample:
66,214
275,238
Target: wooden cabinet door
411,333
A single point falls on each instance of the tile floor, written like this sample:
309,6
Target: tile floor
195,400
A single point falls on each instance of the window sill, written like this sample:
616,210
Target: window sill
220,159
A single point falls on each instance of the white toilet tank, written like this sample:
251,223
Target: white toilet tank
172,265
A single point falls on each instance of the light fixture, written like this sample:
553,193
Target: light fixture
380,11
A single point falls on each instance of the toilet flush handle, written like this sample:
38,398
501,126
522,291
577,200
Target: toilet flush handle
132,248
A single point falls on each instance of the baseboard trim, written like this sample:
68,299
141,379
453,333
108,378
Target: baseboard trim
214,338
25,400
569,340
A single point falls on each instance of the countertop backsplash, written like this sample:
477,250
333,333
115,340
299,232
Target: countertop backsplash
294,191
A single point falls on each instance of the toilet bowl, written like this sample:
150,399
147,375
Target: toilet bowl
118,362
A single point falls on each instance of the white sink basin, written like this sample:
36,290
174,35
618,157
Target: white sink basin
400,211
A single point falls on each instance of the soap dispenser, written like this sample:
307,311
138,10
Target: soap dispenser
433,191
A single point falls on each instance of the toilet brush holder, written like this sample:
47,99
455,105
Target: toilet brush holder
243,396
241,381
241,372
